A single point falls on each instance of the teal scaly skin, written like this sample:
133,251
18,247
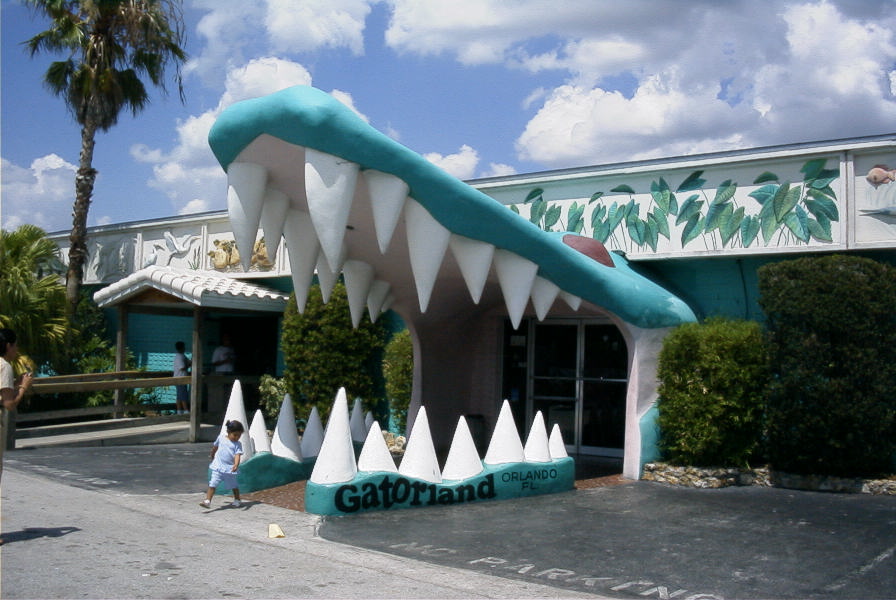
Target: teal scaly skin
306,117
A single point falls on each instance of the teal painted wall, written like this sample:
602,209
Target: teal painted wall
151,340
727,287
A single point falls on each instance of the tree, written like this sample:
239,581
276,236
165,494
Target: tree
323,352
832,332
398,370
31,297
111,44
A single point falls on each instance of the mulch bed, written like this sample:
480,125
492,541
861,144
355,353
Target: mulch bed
292,495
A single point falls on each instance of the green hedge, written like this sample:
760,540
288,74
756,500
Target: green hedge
713,377
322,352
398,369
832,331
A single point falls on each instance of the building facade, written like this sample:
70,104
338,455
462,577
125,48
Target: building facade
654,243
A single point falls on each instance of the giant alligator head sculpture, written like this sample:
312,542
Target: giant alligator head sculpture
346,198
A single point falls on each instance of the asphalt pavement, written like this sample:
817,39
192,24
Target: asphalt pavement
123,522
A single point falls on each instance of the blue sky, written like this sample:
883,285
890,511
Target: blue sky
480,87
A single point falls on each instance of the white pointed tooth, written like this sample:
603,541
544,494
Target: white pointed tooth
537,448
375,455
245,190
387,196
326,276
336,461
474,259
555,443
286,443
516,276
258,432
358,279
427,242
387,303
356,422
463,459
369,420
236,411
419,458
273,219
313,436
303,248
544,293
379,289
505,445
573,301
330,187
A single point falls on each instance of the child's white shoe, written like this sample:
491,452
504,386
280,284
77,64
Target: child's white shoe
236,504
205,503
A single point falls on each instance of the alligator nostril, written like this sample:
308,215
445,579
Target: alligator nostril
589,247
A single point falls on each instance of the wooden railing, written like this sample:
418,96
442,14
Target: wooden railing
92,382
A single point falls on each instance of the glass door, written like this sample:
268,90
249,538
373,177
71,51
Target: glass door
554,377
579,379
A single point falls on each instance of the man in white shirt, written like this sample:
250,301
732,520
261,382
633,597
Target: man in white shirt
224,356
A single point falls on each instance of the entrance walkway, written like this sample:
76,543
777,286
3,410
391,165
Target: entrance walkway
133,511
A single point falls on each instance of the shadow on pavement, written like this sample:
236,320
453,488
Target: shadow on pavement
32,533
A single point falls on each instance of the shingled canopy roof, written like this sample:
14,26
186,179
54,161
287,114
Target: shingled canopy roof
168,287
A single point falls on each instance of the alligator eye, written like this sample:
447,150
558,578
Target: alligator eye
591,248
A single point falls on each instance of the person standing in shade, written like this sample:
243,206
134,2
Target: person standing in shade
224,356
181,368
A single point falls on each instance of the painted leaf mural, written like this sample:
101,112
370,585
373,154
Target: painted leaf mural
775,213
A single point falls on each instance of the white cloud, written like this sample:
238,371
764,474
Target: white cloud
234,31
461,164
834,80
495,31
40,194
347,99
498,170
315,24
579,126
189,174
196,205
791,72
260,77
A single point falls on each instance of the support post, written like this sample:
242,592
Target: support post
121,356
196,374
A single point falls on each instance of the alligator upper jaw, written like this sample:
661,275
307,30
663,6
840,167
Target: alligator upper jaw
336,216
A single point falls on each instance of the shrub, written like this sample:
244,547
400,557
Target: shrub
398,369
713,378
271,391
323,352
832,329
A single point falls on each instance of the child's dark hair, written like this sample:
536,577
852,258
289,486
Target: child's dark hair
234,426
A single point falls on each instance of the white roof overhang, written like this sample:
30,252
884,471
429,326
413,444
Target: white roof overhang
168,287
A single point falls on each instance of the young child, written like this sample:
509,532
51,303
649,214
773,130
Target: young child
226,454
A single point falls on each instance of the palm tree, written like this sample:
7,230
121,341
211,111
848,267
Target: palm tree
110,45
31,296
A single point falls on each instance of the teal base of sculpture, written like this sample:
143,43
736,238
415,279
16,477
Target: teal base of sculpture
265,470
386,491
